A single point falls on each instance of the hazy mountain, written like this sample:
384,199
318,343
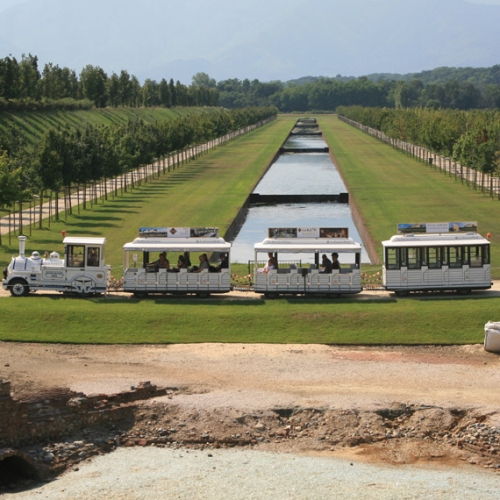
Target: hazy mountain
272,39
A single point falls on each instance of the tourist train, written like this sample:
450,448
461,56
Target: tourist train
290,261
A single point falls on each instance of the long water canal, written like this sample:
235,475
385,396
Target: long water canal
296,174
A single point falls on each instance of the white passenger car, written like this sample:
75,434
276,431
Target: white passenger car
297,255
145,273
82,271
436,256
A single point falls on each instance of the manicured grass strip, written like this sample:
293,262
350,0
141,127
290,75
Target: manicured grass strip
444,320
389,187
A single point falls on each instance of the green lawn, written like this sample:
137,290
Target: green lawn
438,320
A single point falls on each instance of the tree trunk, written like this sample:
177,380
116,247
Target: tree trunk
20,218
40,210
57,205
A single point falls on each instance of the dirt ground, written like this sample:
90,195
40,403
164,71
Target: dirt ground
217,385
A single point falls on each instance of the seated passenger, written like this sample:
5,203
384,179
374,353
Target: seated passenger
268,267
181,263
326,264
161,263
224,264
203,264
273,257
335,261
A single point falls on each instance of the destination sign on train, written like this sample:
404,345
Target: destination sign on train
308,232
178,232
438,227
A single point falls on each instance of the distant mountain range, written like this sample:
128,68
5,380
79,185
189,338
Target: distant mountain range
263,39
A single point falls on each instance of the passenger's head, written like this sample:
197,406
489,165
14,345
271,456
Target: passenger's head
335,255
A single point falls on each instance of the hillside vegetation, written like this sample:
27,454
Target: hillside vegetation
31,126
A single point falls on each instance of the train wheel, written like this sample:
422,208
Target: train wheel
270,295
19,288
333,295
402,293
464,291
203,295
140,295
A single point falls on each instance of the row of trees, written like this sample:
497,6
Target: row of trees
24,87
326,94
67,158
470,137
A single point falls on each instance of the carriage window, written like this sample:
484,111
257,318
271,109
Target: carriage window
414,258
434,257
455,257
75,255
93,256
392,258
475,256
486,254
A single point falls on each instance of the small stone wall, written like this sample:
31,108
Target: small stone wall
26,419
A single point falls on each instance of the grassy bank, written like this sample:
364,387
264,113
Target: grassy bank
208,191
311,321
388,188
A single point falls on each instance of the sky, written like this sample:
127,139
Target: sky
264,39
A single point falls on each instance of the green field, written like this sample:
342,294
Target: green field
386,186
445,320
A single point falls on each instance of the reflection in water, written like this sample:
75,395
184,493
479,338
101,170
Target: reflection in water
260,218
302,173
304,141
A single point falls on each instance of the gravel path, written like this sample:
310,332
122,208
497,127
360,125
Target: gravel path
152,473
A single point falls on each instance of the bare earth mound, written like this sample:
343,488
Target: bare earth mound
391,404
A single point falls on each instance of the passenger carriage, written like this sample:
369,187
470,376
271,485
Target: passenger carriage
298,254
141,277
436,256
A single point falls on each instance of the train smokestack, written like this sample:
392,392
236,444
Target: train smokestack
22,245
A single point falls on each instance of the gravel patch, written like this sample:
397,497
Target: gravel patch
152,473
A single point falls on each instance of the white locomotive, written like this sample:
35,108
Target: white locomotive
82,271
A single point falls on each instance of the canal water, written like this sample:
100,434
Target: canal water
296,173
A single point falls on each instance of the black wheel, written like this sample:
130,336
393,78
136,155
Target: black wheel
464,291
19,288
140,295
333,295
270,295
203,295
402,293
